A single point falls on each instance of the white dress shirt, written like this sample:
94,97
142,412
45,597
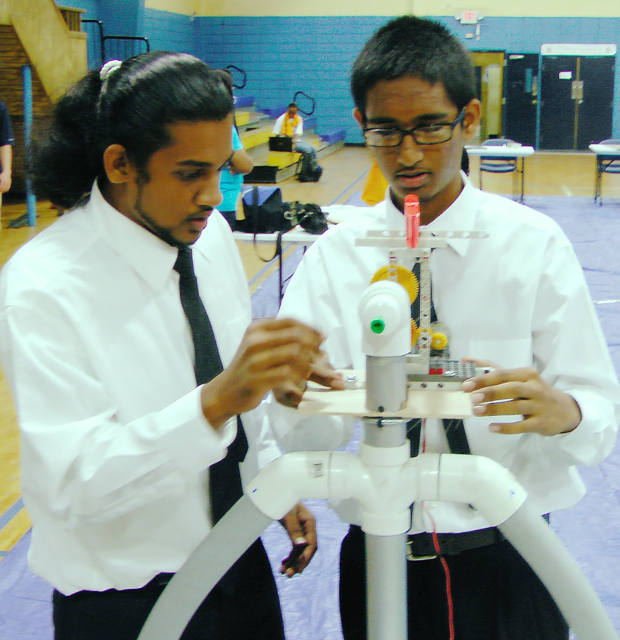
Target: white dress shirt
517,298
279,125
98,353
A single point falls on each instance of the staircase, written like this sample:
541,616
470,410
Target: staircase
34,33
58,54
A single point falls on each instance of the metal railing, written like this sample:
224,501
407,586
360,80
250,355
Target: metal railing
123,47
305,95
230,68
94,34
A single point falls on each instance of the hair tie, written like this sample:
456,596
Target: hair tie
107,70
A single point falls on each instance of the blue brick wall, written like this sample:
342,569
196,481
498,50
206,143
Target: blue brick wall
288,54
122,17
169,31
284,54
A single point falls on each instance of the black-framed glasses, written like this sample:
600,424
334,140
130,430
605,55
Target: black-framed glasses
424,134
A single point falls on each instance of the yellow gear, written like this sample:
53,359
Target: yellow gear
439,340
404,277
415,332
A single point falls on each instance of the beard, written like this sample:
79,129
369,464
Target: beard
150,225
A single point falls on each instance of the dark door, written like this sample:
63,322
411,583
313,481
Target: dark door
576,101
521,97
557,108
596,109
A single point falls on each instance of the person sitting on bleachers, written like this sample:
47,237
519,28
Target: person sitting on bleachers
291,125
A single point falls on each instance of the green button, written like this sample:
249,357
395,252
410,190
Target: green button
377,325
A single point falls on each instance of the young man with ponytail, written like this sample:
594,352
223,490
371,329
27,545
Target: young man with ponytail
120,426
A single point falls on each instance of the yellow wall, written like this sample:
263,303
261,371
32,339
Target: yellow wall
518,8
184,7
4,12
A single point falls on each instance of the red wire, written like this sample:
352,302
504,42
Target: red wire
444,564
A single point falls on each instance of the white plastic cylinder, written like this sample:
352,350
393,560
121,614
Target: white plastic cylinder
386,574
385,313
536,541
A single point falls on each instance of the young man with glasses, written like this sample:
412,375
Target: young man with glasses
517,299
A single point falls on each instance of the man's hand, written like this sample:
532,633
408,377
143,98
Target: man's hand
290,392
271,353
301,528
508,392
5,181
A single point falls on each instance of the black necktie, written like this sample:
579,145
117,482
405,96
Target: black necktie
454,428
224,478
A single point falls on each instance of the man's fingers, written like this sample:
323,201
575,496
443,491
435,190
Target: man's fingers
285,330
500,376
515,407
324,374
288,394
327,378
301,528
522,426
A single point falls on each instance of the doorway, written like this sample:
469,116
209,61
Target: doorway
489,68
576,100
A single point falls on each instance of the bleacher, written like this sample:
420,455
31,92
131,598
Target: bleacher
255,127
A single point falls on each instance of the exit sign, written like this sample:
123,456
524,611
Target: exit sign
469,17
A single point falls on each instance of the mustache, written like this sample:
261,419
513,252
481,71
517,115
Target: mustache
201,212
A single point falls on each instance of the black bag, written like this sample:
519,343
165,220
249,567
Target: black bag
310,172
309,217
264,211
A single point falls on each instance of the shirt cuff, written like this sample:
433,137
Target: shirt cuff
592,440
188,437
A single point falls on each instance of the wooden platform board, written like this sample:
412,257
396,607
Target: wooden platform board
352,402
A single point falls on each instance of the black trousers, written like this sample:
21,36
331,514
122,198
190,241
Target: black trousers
496,596
250,611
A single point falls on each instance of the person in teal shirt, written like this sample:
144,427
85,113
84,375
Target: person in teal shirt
231,180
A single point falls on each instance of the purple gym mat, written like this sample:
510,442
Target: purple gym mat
590,530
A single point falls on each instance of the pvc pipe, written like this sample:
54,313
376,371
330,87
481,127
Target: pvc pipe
31,201
559,572
472,479
479,481
224,545
386,574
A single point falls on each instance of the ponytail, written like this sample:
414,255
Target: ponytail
66,158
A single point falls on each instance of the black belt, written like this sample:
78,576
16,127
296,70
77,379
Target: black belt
160,580
421,547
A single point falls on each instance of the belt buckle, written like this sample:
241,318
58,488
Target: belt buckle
413,558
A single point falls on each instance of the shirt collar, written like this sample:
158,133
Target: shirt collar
459,216
151,258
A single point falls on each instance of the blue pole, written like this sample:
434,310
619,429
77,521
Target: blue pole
31,201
